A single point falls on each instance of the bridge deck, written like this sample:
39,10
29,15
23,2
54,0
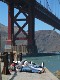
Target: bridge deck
41,13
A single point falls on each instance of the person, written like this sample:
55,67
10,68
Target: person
42,65
26,63
20,56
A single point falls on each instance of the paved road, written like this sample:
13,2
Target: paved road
29,76
34,76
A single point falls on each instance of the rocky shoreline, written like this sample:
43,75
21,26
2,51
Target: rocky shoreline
57,74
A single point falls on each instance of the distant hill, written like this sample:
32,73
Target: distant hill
46,40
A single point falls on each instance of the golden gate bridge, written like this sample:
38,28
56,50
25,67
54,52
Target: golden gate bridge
31,9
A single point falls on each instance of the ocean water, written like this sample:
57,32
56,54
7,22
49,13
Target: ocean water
51,62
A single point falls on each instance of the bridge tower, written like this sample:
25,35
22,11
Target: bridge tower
29,19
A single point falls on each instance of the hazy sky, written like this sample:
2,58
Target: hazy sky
39,25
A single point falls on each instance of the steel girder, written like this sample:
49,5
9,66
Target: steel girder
41,12
31,29
29,19
11,24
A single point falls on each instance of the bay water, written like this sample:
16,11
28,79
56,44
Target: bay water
51,62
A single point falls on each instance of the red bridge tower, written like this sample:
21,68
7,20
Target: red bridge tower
27,8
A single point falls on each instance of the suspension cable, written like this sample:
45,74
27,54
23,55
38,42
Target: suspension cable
48,6
44,3
40,1
59,1
58,7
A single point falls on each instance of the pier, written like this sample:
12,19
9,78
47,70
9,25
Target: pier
47,75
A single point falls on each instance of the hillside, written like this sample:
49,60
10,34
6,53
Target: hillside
3,32
46,40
